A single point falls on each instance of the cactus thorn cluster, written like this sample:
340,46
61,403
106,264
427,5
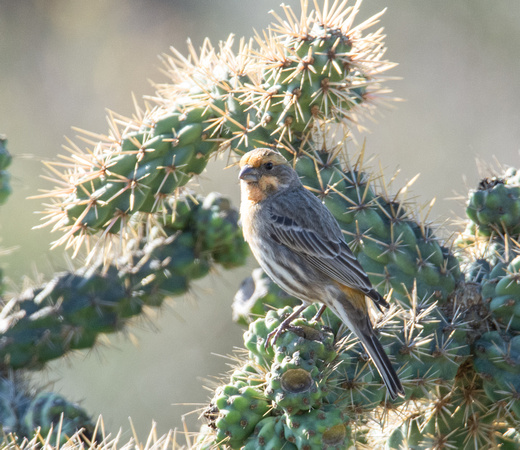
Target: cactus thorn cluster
278,89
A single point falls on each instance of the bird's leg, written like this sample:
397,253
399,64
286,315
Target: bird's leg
317,316
275,334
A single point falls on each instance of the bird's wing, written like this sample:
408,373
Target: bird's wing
313,233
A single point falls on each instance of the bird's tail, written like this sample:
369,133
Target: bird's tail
383,364
356,318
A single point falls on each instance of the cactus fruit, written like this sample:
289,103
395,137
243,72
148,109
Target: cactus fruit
293,380
238,409
72,309
269,434
325,428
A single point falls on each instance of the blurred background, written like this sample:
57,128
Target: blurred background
63,62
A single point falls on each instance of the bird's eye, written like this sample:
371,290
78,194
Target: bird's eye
268,165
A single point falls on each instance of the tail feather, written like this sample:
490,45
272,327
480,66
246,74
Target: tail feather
358,321
383,365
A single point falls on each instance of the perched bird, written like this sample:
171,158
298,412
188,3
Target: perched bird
299,244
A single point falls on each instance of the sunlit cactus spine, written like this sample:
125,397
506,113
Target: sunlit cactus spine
278,89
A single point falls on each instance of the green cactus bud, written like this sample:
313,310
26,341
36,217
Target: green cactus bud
293,389
269,435
495,206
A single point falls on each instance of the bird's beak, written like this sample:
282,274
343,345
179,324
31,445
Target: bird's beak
249,173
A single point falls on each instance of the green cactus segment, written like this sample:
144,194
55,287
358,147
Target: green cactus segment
501,291
295,377
358,383
325,428
293,388
313,74
497,360
495,206
5,161
150,165
296,383
8,417
458,415
24,412
299,76
509,439
426,347
407,435
50,412
71,310
240,408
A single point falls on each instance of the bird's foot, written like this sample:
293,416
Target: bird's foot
318,315
273,336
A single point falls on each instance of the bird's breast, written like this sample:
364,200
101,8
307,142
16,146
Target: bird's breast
249,211
253,192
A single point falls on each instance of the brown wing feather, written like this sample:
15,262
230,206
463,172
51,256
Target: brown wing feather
314,234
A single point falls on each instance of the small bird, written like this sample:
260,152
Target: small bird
299,244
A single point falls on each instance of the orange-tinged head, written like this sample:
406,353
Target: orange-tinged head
264,171
258,157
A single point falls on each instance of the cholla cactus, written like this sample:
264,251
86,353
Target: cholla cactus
453,326
320,69
453,335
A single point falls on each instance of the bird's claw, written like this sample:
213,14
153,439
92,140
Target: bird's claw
273,336
276,333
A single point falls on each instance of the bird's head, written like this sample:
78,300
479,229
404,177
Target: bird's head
266,170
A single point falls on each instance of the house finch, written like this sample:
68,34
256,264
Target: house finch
299,244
